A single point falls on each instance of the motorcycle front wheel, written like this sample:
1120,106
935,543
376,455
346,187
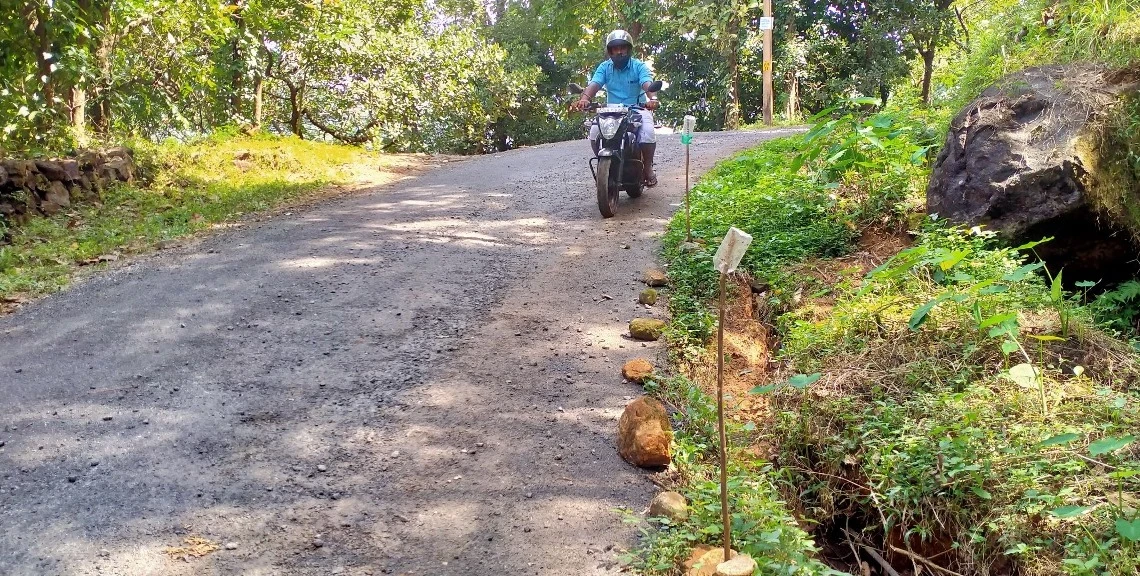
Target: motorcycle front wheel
607,187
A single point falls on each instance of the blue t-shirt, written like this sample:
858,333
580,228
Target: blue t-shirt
622,86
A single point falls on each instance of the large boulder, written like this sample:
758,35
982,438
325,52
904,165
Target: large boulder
1032,157
644,433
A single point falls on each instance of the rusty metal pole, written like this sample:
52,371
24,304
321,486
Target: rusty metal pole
720,425
688,224
725,261
688,127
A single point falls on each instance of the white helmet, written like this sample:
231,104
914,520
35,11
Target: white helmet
618,37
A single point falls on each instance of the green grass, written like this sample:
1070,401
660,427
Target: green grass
762,526
190,187
937,426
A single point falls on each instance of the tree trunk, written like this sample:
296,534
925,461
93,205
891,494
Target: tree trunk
101,111
927,73
237,69
732,114
78,106
295,111
35,18
792,108
258,89
634,27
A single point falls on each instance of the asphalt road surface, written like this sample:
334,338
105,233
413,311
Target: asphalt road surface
422,379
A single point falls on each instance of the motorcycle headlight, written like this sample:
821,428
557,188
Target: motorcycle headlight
609,126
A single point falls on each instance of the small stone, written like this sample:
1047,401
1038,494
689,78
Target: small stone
318,543
647,297
648,329
72,478
231,545
637,370
105,553
742,565
669,505
395,453
108,418
655,278
690,247
704,560
322,468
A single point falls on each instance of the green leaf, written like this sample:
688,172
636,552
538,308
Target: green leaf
919,315
1024,375
1122,474
1029,245
763,389
1055,292
1107,445
996,319
1128,529
997,289
1046,338
1020,274
1009,347
802,381
954,258
1085,284
1070,511
750,426
1059,440
982,493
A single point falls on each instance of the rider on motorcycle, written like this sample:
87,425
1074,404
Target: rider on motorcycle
625,79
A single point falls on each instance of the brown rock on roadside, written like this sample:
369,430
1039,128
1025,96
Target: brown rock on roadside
644,433
669,505
637,370
655,278
704,561
648,329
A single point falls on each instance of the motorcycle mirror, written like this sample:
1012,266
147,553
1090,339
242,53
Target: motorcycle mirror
576,88
655,86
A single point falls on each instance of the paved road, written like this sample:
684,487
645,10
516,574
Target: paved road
416,380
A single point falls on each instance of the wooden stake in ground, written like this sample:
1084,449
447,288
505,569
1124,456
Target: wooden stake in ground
687,129
725,261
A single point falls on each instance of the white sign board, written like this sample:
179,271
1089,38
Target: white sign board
731,250
767,23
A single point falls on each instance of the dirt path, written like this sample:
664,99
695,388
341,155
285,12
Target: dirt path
423,380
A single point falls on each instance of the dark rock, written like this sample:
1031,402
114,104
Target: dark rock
118,170
60,170
20,172
90,161
56,199
120,152
1026,160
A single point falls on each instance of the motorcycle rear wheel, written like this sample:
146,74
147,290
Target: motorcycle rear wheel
607,187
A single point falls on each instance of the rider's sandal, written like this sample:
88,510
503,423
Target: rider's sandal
652,181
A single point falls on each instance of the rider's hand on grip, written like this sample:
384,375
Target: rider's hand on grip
651,105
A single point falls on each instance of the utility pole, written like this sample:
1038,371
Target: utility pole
768,23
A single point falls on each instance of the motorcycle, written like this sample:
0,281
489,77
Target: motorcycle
616,164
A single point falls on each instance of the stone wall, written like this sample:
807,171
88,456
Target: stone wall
44,187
